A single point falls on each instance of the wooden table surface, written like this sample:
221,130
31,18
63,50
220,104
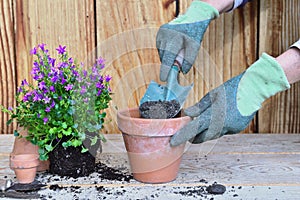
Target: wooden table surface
250,166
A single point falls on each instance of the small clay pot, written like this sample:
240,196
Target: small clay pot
147,141
23,146
24,166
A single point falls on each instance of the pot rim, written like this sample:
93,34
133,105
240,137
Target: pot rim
130,122
32,156
122,114
24,161
147,136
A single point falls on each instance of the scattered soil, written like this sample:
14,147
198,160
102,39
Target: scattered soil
204,192
102,171
108,173
159,109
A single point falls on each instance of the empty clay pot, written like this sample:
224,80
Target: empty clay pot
24,166
152,159
23,146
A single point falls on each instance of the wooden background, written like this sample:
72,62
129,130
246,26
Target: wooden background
123,32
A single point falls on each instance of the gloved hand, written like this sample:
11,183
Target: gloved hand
184,32
229,108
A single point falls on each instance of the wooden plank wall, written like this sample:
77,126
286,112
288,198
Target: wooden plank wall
279,29
123,32
130,34
7,62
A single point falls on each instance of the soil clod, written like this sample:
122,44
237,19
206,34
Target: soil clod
216,189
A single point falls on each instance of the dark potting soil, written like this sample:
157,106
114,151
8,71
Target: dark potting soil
159,109
71,163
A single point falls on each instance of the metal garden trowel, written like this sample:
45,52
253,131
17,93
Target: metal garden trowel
169,93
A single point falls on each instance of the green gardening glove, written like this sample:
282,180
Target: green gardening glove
229,108
183,33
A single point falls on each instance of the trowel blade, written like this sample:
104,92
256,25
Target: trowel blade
171,91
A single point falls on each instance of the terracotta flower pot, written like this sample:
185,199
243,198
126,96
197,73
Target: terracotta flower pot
152,159
23,146
24,166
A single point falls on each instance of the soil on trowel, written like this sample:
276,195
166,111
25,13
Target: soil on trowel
159,109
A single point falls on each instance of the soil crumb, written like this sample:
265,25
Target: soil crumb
159,109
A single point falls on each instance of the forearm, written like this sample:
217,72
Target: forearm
226,5
290,62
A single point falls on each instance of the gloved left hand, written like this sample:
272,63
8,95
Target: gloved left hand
230,107
183,33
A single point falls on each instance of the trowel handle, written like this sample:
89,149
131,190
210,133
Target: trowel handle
179,59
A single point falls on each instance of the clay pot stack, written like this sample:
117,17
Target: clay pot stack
24,166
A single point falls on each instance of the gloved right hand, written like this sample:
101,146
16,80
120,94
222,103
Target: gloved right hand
229,108
183,33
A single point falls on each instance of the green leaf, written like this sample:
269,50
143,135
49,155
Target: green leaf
102,115
70,111
34,141
102,138
16,133
67,132
94,140
98,126
83,150
41,151
62,102
14,116
44,157
41,142
9,122
75,125
76,143
53,130
48,147
67,144
64,125
81,136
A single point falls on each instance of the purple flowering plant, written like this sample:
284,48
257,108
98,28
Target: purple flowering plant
65,104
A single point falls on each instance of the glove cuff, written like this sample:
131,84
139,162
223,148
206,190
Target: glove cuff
198,11
261,80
